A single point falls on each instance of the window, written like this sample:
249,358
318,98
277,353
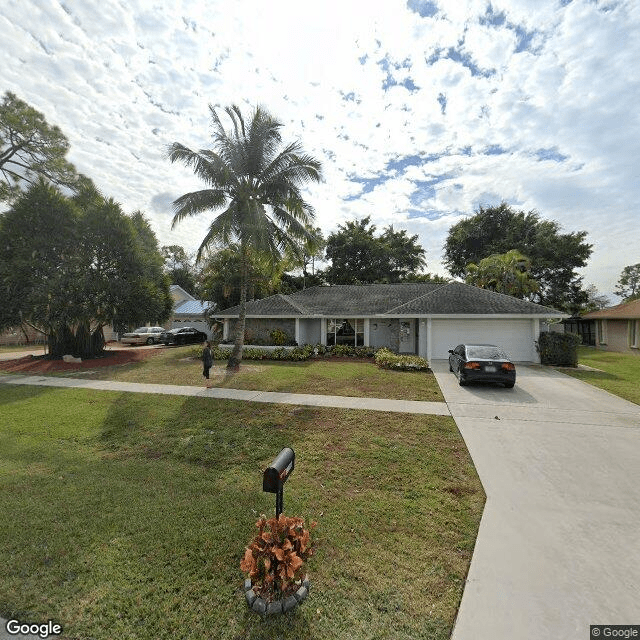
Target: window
634,333
349,331
602,331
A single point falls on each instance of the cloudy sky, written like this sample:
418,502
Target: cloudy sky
420,110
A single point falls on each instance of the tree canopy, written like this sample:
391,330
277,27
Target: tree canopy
359,256
255,182
29,148
503,273
179,267
94,266
554,256
628,285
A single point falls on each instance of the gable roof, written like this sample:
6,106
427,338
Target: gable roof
192,307
415,298
626,310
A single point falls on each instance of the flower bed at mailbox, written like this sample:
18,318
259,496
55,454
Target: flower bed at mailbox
275,563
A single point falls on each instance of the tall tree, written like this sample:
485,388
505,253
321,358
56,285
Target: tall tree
256,182
359,256
93,267
179,267
30,147
554,256
504,273
628,285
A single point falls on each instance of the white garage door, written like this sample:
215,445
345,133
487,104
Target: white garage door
514,336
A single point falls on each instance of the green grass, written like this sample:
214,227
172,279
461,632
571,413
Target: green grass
340,377
126,515
619,373
10,348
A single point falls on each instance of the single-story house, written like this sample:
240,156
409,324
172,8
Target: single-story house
426,319
617,328
187,311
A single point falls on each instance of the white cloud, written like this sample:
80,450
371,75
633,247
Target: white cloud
123,80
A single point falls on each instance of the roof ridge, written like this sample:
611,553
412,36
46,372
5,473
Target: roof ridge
295,305
424,295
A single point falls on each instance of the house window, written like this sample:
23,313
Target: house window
602,331
634,333
348,331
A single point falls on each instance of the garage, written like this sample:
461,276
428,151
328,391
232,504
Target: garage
515,335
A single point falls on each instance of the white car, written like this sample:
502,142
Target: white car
143,335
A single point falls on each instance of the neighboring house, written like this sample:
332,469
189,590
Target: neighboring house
585,328
426,319
617,328
187,311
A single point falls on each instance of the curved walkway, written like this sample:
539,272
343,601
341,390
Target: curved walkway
558,548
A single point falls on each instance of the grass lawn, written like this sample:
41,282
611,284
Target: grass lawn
126,515
10,348
618,373
340,377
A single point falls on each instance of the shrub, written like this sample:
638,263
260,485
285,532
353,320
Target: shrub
279,337
274,560
386,359
559,349
351,351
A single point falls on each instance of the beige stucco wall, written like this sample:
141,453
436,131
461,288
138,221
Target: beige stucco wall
617,338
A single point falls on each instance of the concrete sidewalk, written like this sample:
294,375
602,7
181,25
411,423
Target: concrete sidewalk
341,402
558,548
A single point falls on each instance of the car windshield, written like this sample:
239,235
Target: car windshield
141,330
486,352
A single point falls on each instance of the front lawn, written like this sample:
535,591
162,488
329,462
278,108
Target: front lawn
126,515
618,373
331,376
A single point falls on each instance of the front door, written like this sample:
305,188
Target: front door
407,337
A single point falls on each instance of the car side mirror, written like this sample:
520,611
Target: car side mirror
450,350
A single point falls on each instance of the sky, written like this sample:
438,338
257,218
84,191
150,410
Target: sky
419,110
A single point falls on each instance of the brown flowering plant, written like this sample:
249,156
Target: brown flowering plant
275,558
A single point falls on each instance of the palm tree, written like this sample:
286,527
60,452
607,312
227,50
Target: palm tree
256,183
505,273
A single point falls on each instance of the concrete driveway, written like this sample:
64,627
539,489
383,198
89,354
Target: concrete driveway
559,542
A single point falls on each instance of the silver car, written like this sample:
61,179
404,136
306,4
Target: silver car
143,335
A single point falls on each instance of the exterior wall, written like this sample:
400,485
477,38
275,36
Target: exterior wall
616,337
310,330
258,329
384,332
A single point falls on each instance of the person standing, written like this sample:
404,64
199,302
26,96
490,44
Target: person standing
207,359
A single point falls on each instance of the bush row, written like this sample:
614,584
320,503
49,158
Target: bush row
294,355
559,349
386,359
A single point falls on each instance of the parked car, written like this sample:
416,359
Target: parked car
143,335
481,363
183,335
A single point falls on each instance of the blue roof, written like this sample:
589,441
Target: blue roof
193,307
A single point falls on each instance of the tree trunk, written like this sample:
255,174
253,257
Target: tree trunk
236,354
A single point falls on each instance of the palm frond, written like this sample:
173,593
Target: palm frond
191,204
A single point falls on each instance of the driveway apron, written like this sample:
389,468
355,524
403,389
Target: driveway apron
559,543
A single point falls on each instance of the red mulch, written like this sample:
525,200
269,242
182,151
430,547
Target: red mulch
41,364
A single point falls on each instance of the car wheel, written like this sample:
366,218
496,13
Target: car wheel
149,340
450,368
462,382
509,385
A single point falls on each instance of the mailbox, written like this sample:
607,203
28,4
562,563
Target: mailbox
276,474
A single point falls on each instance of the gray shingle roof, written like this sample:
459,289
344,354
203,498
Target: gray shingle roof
192,307
420,298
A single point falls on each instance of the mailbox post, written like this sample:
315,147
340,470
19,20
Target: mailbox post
276,474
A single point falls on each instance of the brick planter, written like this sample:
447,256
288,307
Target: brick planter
278,607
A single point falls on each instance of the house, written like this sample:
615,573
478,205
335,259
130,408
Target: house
426,319
617,328
187,311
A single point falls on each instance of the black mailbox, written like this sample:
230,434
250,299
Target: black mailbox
276,474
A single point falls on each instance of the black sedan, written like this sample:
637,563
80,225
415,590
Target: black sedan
481,363
183,335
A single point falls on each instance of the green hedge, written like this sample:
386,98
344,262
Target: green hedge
386,359
559,349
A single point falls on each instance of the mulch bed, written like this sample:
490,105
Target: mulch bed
42,364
